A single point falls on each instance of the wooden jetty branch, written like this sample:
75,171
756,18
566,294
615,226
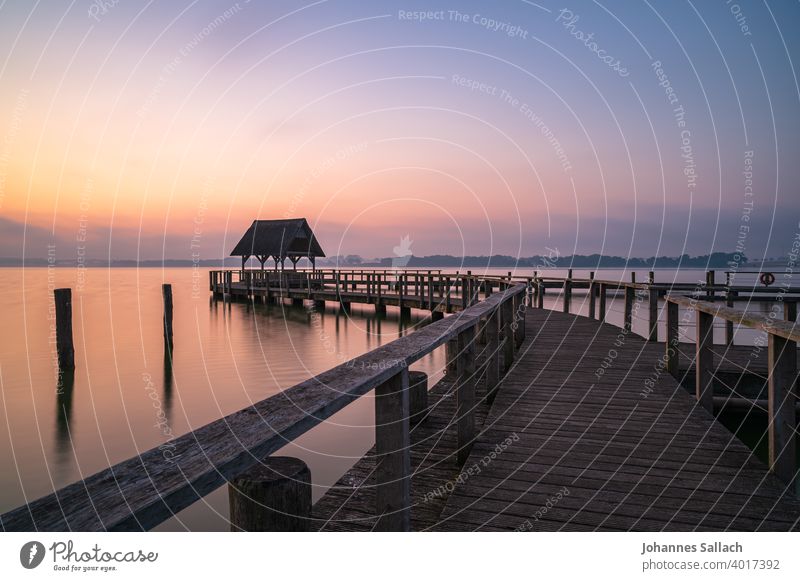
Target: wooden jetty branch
144,491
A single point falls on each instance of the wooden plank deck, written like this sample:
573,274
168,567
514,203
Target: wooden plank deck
566,448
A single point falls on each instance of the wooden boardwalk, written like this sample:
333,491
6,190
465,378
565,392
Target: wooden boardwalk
565,447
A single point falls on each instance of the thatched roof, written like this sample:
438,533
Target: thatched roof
279,238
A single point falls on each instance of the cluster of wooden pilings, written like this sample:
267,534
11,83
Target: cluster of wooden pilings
64,339
274,494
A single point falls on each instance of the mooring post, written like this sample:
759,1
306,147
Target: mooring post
710,281
166,294
602,306
652,297
417,396
729,324
782,368
704,361
465,393
673,338
273,496
64,346
393,454
629,296
540,294
651,277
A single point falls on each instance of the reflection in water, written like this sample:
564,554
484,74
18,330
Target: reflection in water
65,386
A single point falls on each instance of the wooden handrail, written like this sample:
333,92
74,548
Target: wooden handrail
144,491
784,329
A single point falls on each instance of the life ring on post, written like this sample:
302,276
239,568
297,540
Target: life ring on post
767,278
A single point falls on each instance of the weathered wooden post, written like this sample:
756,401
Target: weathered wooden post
275,496
673,338
782,366
629,296
518,322
417,396
567,293
729,324
704,361
592,292
166,294
465,393
540,290
602,307
507,316
66,351
493,357
651,277
393,454
652,297
790,311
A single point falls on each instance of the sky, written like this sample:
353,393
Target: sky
163,129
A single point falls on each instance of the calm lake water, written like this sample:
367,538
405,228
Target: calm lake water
124,399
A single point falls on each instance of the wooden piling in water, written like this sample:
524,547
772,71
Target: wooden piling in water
64,345
166,294
273,496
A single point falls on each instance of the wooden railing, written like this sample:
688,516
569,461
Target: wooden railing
782,339
148,489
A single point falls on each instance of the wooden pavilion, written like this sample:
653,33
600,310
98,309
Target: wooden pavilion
279,240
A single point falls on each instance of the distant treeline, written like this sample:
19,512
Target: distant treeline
715,260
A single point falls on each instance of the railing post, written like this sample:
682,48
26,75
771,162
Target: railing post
465,393
629,295
540,295
493,362
652,296
673,338
507,316
602,307
592,289
782,366
729,324
567,292
518,322
417,396
704,361
393,454
274,496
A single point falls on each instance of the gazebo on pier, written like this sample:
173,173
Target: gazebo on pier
279,240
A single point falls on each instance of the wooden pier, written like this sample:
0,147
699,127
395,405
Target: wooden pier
545,420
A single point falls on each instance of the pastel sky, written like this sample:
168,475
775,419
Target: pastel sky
129,129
